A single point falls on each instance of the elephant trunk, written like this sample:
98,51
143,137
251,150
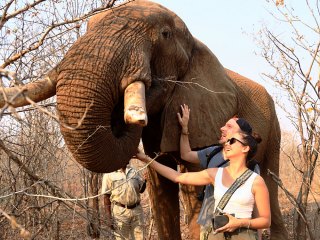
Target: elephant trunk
92,121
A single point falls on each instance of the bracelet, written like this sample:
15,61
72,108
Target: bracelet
185,133
249,224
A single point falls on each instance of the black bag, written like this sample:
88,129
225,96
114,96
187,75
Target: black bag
220,220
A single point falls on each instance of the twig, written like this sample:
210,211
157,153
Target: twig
8,102
150,228
54,189
44,223
46,182
8,74
288,194
189,83
94,196
292,199
23,232
46,32
35,105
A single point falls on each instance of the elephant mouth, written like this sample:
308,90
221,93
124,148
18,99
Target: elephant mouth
118,125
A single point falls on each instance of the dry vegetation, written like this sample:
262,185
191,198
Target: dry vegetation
291,179
47,216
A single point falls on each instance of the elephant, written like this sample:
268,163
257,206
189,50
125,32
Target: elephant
125,79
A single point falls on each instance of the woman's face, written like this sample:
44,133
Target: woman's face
235,146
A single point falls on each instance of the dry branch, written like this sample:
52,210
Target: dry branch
23,232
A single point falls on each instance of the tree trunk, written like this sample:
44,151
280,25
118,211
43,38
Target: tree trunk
93,226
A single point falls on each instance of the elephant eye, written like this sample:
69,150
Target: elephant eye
166,33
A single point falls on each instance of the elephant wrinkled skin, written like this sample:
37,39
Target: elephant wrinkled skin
143,41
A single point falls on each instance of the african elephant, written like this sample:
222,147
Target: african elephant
143,51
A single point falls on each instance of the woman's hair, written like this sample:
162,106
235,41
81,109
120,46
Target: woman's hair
252,140
249,137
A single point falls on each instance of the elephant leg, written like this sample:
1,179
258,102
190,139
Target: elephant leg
164,200
190,202
163,193
278,230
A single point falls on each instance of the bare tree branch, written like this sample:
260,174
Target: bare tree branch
23,232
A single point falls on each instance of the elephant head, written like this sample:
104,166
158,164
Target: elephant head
139,45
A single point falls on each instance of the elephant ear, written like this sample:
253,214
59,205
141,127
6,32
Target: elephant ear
211,96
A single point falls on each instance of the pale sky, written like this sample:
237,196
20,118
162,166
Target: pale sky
227,28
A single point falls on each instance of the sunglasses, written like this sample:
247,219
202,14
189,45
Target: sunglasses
233,140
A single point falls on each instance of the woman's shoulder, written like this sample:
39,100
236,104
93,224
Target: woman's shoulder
258,182
212,171
215,169
258,177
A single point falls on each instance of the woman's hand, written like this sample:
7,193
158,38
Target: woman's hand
184,119
142,156
232,225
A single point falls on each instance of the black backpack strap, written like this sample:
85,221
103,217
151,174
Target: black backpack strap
252,165
212,154
209,156
235,185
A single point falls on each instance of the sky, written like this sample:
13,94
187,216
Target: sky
228,29
222,26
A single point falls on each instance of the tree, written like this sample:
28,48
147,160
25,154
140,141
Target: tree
37,172
292,51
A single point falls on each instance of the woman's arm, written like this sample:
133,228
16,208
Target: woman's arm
262,202
191,178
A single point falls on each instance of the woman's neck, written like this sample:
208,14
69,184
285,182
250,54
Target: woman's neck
236,167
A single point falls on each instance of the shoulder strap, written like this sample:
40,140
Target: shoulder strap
235,185
213,153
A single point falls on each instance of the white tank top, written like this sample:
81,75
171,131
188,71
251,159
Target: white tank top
242,200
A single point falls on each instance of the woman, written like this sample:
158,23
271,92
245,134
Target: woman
239,149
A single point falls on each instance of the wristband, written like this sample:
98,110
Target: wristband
185,133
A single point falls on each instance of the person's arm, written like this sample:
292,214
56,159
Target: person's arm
185,150
106,199
107,206
192,178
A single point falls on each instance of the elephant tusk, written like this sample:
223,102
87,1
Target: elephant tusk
135,104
